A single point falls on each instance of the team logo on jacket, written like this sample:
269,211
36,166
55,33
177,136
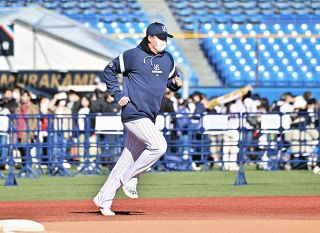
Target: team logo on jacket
156,69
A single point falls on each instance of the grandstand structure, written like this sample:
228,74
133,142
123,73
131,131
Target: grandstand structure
254,42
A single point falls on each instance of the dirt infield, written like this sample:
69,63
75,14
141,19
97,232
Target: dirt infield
222,214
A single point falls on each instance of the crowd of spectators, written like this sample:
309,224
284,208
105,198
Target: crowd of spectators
224,148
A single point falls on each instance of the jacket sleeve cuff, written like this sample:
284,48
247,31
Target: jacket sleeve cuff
118,96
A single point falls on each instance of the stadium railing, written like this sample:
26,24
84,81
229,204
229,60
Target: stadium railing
90,144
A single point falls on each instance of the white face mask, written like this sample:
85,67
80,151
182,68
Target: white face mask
16,95
44,108
161,45
62,103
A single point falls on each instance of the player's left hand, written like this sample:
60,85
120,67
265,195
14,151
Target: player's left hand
177,81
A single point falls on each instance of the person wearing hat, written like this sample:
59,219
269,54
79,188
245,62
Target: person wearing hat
147,71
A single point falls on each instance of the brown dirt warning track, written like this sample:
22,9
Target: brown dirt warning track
187,215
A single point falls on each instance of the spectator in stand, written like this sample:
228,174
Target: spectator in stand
44,120
286,103
115,106
198,108
7,95
16,94
166,103
302,136
63,126
85,127
167,107
83,112
73,101
27,126
232,136
99,103
4,125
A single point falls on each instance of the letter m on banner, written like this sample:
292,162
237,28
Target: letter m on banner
6,40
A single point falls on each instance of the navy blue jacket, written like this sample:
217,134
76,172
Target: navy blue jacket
145,78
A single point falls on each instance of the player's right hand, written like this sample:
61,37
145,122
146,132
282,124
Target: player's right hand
124,101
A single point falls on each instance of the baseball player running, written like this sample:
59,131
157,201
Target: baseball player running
147,70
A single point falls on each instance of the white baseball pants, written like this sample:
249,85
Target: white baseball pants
144,145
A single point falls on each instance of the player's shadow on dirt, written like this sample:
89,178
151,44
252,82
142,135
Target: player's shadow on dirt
117,212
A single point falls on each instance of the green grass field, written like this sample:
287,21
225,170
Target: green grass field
168,184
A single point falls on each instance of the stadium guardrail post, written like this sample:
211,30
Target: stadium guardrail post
11,179
241,178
